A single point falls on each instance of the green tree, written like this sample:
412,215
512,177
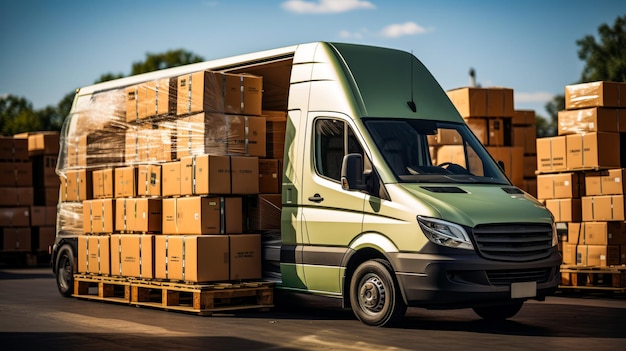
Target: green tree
17,116
171,58
605,59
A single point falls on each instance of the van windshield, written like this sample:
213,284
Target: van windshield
426,151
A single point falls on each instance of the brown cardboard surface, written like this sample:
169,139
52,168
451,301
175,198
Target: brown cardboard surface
593,150
125,181
13,148
245,175
513,158
575,233
171,178
603,208
469,101
77,185
169,216
526,137
560,185
17,196
45,238
19,174
593,94
15,216
192,258
270,176
264,212
551,154
523,117
605,182
103,180
593,119
94,254
245,256
565,210
605,233
205,174
132,255
99,216
41,142
599,255
16,239
148,180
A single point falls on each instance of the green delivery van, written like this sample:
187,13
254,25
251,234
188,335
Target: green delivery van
372,214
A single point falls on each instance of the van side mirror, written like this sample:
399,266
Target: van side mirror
352,172
501,164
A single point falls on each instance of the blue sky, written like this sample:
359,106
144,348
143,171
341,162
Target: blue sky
50,48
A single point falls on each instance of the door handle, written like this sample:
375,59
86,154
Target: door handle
316,198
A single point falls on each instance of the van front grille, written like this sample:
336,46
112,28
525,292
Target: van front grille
506,277
518,242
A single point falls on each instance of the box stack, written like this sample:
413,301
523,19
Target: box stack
581,174
525,136
29,192
160,179
489,113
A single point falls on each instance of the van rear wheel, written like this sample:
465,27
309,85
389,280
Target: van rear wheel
497,313
374,294
65,271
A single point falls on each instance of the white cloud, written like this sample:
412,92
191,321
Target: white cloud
326,6
539,96
398,30
346,34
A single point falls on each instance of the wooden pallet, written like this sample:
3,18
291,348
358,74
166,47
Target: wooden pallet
202,299
198,298
104,288
611,278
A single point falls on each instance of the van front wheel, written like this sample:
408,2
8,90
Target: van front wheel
374,294
65,271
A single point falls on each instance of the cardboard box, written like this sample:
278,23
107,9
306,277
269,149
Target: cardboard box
102,180
245,256
43,216
44,171
594,94
570,254
270,176
275,137
264,212
593,119
15,216
605,182
99,216
125,182
245,175
170,172
159,97
479,126
132,255
76,185
41,142
603,208
219,92
500,102
500,133
44,238
523,117
192,258
47,196
13,149
16,174
148,180
16,239
605,233
17,196
76,150
168,216
593,150
139,215
205,174
530,166
209,215
220,134
469,101
526,137
94,254
598,255
530,186
560,186
565,210
132,103
575,233
551,154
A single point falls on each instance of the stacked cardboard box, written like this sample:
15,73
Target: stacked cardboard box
525,136
581,173
489,113
29,192
187,156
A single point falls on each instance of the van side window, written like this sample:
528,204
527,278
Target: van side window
333,140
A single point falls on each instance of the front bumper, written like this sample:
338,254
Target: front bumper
453,279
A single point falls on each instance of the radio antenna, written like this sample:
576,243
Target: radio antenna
411,103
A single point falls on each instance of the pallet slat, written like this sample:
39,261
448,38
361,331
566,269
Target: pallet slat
604,278
201,299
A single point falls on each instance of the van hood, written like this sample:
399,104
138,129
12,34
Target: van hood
473,204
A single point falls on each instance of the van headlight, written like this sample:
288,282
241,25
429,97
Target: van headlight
445,233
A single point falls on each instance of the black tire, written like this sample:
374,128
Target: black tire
65,270
498,313
374,294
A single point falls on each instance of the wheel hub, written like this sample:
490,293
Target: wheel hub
372,294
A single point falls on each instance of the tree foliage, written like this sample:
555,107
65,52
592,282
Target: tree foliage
605,59
17,114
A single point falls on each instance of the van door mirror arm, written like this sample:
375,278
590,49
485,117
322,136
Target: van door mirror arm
352,177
